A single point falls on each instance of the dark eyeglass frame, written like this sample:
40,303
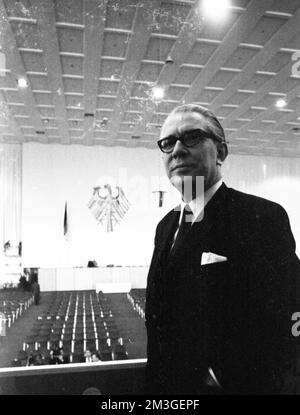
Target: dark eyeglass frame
182,138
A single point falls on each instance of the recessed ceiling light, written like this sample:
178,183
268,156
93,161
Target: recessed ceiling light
22,83
215,9
281,103
158,92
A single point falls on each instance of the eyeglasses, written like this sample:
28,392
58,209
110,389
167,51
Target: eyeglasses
189,139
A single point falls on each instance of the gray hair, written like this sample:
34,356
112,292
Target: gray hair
215,128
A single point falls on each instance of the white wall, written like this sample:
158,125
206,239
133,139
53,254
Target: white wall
53,174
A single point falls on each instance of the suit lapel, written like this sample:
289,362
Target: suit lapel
200,231
169,229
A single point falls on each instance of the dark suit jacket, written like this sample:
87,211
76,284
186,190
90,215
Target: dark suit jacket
232,316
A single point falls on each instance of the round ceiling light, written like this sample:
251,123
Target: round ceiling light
215,10
158,92
22,83
281,103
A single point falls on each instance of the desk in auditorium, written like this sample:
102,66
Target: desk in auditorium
66,279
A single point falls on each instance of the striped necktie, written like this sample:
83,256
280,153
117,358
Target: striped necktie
184,227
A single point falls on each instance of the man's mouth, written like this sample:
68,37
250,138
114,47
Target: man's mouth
180,166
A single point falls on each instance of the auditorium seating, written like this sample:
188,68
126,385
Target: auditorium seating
77,320
13,304
137,298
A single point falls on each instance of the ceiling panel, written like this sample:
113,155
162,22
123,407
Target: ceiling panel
26,35
108,88
13,96
169,18
18,8
286,6
70,40
222,78
238,67
115,44
277,62
266,27
39,82
176,93
72,65
240,58
43,98
33,62
120,14
158,48
73,85
111,68
69,11
186,75
256,82
200,53
75,113
149,72
238,98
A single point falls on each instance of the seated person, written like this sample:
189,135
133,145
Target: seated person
39,360
30,358
96,357
119,350
92,264
87,357
51,359
62,357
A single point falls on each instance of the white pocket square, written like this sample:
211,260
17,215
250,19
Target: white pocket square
211,258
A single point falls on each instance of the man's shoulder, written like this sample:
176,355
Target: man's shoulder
254,208
251,201
240,204
169,216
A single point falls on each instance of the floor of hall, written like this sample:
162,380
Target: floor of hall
130,324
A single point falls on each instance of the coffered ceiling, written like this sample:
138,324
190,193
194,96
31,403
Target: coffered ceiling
91,65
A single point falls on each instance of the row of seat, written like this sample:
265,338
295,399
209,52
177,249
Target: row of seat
90,326
13,304
137,298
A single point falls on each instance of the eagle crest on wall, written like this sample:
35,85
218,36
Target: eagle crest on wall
108,205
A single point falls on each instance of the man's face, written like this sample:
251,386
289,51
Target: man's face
200,160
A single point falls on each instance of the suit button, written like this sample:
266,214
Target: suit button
154,316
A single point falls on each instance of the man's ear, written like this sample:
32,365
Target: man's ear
222,150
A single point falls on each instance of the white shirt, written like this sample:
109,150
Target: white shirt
198,204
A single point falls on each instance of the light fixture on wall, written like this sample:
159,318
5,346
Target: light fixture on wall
159,192
108,205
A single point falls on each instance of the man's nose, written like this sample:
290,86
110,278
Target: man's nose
179,149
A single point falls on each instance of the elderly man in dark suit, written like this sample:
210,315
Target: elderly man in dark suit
222,282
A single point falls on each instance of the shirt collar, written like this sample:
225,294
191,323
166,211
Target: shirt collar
197,205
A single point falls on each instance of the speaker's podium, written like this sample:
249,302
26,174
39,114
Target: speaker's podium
101,378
